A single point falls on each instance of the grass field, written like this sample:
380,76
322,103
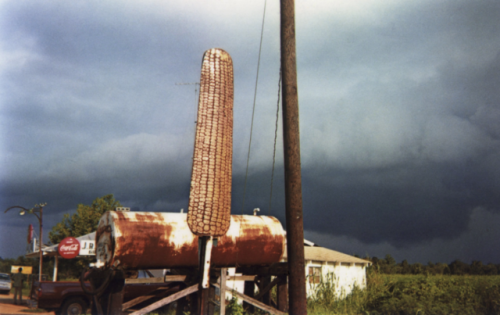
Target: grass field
414,294
406,294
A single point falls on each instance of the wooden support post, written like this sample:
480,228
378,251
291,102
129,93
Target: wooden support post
115,299
205,251
265,291
56,265
282,293
223,277
211,300
181,304
112,297
203,301
194,304
249,290
205,294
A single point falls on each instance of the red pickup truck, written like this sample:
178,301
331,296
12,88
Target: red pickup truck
67,297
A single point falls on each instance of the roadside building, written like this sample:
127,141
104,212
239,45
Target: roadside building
323,264
87,248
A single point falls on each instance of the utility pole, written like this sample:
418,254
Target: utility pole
37,209
293,180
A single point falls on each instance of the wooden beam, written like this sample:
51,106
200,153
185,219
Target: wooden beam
240,278
175,278
167,300
252,301
275,269
144,280
159,293
267,288
167,278
136,301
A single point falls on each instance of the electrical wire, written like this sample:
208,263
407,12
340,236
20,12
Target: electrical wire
253,110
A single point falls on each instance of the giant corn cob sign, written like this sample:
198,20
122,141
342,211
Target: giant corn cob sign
210,196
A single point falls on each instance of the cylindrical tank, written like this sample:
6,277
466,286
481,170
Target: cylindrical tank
158,240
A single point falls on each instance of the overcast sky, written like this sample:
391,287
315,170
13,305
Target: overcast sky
399,116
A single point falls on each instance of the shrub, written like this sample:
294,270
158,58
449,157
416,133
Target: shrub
411,294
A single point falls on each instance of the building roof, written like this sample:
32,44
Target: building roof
52,250
324,254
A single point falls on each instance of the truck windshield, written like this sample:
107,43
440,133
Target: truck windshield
4,277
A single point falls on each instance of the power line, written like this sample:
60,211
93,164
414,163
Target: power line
253,110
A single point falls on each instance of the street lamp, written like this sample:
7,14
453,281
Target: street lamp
37,209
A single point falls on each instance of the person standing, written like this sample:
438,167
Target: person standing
18,279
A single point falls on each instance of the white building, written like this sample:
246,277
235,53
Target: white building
323,264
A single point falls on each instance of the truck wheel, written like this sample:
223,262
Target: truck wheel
74,306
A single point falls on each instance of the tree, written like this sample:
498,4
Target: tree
458,267
417,268
388,265
389,260
405,267
476,268
83,222
490,269
441,268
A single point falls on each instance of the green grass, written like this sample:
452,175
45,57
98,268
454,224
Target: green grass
413,294
404,295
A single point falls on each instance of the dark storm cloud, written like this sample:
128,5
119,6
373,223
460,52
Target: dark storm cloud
399,109
410,145
93,107
474,243
402,206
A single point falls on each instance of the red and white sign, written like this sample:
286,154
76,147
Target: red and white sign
30,233
69,247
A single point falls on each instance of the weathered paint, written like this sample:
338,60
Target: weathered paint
134,240
207,243
344,276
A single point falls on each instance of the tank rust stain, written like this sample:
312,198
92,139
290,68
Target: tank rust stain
164,240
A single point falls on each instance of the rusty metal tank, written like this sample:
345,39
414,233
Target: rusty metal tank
142,240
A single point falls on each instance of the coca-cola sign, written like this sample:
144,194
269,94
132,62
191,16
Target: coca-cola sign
69,248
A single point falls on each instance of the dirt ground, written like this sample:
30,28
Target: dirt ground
7,306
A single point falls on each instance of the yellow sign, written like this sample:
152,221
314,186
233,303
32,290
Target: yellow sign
27,270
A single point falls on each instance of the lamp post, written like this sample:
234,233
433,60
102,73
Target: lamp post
38,212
